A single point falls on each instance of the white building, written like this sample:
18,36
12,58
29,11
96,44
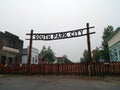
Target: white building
34,56
114,46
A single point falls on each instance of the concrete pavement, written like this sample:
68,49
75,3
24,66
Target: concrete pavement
58,83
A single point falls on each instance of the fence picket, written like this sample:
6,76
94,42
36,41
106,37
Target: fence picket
97,69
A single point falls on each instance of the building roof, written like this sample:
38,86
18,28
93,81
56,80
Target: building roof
63,60
60,59
114,33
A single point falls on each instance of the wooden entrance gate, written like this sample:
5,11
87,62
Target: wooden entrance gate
61,35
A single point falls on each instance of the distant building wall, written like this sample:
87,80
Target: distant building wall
114,46
11,41
114,39
34,56
24,59
115,52
59,60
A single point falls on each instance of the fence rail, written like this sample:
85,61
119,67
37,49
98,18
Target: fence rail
78,69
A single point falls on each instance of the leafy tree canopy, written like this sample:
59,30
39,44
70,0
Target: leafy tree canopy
66,60
85,57
97,54
48,54
107,32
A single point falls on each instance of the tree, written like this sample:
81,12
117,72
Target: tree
82,59
48,54
43,50
107,32
66,60
96,54
85,57
43,53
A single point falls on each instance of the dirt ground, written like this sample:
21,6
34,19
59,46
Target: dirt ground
20,82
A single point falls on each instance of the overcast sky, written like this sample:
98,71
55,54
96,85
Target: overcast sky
44,16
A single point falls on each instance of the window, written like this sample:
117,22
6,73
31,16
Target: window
115,53
3,58
10,60
119,54
119,47
33,59
110,51
15,60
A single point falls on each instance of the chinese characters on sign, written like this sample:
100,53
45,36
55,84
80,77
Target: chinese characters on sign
60,35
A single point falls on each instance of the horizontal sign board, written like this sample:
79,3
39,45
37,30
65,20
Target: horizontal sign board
60,35
8,49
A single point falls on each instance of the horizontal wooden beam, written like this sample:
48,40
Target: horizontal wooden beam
61,38
62,32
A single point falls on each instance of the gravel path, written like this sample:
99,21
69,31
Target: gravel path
58,83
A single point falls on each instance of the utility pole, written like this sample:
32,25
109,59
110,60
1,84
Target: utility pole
29,55
88,42
89,49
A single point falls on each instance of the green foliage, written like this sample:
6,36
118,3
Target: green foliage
66,60
107,32
85,57
48,54
101,54
96,54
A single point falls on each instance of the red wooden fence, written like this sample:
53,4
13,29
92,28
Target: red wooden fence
79,69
